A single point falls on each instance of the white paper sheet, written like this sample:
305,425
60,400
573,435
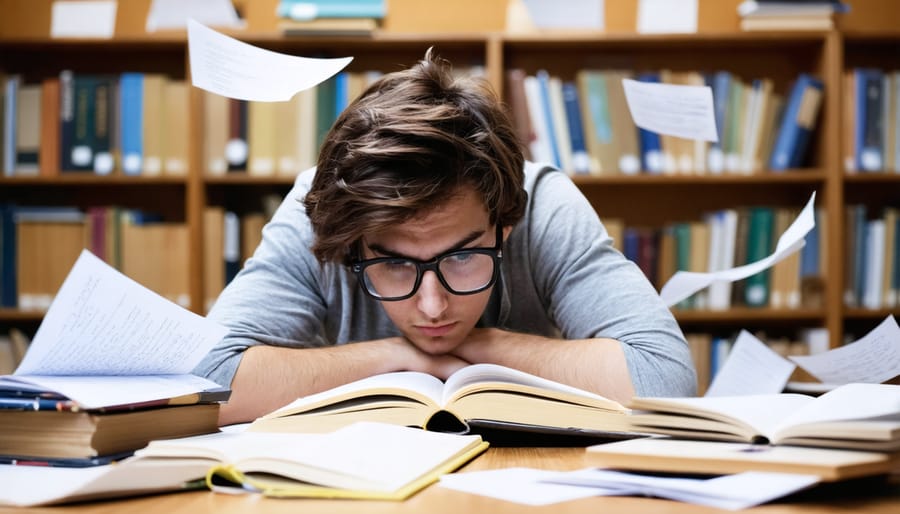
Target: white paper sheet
174,14
104,323
685,283
872,359
672,109
85,18
107,340
667,16
751,368
571,14
232,68
517,485
733,492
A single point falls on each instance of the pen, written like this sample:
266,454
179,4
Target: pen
23,403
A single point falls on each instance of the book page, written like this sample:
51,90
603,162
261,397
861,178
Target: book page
849,402
751,368
421,386
873,358
103,323
478,373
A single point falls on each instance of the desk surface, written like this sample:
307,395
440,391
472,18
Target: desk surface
869,496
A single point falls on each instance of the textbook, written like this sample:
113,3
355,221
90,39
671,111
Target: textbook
360,461
851,416
669,455
477,396
50,434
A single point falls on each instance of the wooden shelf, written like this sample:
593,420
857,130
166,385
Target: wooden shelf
64,180
789,177
740,315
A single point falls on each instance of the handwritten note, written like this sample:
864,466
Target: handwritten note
751,368
685,283
674,110
873,359
232,68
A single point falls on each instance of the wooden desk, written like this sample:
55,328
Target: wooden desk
869,497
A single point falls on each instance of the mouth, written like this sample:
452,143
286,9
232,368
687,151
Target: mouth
436,330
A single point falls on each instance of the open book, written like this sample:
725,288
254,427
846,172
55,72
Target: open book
477,396
361,461
853,416
108,341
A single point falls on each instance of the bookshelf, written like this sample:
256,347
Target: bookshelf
638,200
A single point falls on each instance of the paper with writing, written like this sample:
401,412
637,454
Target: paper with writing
874,358
232,68
685,283
751,368
672,109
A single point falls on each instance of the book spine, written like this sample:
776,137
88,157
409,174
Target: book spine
8,277
131,111
10,102
649,143
232,246
237,149
581,163
81,154
544,82
869,102
104,121
759,246
797,123
49,145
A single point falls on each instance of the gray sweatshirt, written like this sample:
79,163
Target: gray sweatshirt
560,277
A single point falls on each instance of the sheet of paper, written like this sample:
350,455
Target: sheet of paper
666,16
872,359
685,283
174,14
86,18
527,486
103,323
672,109
571,14
228,67
751,368
732,492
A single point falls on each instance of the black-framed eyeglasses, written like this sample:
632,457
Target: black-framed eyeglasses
462,272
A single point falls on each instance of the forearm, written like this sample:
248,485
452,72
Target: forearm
270,377
596,365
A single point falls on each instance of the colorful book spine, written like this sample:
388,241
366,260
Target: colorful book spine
759,246
581,163
721,89
869,118
797,123
649,143
103,125
131,101
544,83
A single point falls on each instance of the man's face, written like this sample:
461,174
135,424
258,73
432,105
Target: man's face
434,319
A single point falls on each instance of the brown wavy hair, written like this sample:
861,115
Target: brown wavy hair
407,144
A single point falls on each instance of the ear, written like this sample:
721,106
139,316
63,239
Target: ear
506,230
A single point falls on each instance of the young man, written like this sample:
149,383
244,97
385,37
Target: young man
420,239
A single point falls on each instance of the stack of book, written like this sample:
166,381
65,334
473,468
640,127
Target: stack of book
330,17
107,372
789,15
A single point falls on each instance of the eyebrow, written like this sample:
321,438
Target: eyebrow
471,236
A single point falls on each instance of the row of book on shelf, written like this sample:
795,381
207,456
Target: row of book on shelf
872,259
583,125
53,420
142,245
723,240
871,120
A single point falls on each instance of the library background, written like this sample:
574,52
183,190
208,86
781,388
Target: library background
106,146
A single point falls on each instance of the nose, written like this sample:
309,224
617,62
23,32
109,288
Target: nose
431,298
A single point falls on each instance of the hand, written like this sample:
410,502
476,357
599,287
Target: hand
411,358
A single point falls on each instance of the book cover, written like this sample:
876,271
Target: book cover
131,135
760,230
153,127
28,129
799,120
176,136
48,154
668,455
869,133
649,143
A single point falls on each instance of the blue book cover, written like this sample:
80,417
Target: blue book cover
631,244
312,9
797,123
131,124
649,142
809,254
544,81
860,215
895,277
10,92
8,278
580,160
341,92
869,108
720,82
